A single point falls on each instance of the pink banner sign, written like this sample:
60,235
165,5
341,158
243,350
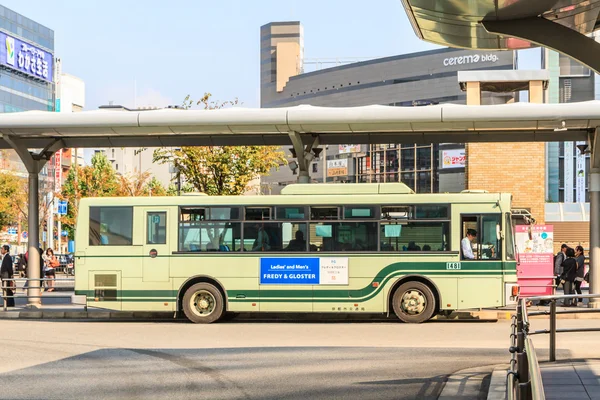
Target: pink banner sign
535,268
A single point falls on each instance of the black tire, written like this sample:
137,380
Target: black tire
414,302
203,303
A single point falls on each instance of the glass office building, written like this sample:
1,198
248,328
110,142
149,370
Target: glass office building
27,63
27,67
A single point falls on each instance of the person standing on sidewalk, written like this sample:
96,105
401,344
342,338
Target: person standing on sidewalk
6,272
580,257
568,277
558,260
51,263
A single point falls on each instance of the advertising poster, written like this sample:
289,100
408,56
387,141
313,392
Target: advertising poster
349,148
304,271
453,158
535,259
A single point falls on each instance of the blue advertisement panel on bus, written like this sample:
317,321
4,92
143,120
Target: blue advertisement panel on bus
304,270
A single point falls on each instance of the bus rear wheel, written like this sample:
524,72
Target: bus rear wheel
414,302
203,303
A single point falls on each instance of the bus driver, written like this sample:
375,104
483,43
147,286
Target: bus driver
465,244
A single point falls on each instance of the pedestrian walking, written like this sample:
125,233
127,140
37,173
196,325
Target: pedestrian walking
6,275
580,257
51,262
568,277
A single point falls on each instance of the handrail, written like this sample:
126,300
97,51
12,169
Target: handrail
535,375
524,373
5,287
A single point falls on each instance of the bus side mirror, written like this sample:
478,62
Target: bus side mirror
498,232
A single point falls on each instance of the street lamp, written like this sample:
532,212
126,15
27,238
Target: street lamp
293,166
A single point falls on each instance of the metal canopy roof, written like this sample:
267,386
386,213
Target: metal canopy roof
519,122
457,23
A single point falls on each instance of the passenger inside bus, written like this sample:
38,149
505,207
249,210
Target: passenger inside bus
297,244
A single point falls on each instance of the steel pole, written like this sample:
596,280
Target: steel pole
523,375
553,330
595,234
33,260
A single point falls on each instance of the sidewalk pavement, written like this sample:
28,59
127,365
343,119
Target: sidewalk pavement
568,380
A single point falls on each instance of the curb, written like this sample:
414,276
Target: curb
497,389
467,384
484,315
86,315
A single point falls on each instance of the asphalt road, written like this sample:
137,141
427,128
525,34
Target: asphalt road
252,360
246,373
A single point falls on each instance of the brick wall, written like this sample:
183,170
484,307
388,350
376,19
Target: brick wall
517,168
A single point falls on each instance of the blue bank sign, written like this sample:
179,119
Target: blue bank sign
304,271
25,58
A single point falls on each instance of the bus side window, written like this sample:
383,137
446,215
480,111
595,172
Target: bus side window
156,228
479,237
469,238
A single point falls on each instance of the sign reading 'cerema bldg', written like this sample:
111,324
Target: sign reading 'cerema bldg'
470,59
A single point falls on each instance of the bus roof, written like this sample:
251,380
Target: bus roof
347,188
299,194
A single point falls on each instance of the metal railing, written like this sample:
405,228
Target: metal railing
5,287
524,378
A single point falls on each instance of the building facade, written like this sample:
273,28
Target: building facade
566,176
27,82
410,80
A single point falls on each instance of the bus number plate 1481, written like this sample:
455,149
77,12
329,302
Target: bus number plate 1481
453,265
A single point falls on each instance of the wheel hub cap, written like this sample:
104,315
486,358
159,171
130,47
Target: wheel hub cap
203,303
413,302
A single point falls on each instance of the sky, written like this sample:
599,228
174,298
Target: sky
155,52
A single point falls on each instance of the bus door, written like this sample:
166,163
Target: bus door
156,260
480,278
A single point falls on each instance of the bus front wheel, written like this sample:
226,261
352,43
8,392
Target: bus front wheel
203,303
414,302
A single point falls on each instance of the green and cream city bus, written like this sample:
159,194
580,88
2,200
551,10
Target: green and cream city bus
320,248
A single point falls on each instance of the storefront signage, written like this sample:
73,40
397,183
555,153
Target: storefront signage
580,176
453,158
568,146
304,271
57,171
337,167
26,58
349,148
470,59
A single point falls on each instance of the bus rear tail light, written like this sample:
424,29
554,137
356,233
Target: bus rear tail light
515,290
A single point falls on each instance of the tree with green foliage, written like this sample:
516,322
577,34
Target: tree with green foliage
140,184
101,180
96,180
12,190
220,170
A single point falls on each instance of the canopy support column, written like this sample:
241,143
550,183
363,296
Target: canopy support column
304,155
34,162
